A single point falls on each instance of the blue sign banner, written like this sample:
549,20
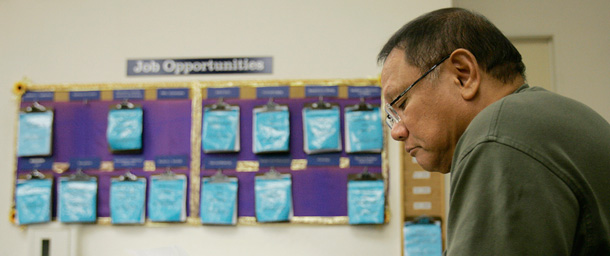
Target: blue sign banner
89,163
84,95
225,93
321,90
38,163
219,162
128,162
365,160
273,92
203,66
324,160
172,93
274,161
172,161
363,91
38,96
128,94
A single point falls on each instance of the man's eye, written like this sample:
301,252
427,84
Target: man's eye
402,104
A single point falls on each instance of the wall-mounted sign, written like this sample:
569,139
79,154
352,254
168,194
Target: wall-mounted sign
178,67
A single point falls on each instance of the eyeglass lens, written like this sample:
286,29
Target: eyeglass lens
392,118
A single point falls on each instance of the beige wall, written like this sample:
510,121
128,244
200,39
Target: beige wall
70,41
581,40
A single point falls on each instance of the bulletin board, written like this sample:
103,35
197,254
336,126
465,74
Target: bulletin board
173,114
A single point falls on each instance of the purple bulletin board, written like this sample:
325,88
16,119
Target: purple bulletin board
318,190
79,131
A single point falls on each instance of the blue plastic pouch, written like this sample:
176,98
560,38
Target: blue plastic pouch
271,130
127,201
365,201
220,131
273,198
124,131
218,201
322,130
422,239
167,198
33,201
35,134
363,130
77,200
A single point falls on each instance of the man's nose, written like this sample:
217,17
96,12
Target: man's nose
399,132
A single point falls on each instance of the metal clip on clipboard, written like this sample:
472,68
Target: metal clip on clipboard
423,220
321,104
79,175
125,104
35,108
219,177
272,174
220,105
128,176
34,175
363,106
167,175
365,175
270,106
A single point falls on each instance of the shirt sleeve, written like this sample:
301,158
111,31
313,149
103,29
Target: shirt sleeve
505,202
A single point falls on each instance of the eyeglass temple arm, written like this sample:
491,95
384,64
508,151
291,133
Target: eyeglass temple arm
420,78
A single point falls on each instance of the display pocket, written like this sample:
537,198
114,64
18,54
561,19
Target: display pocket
127,201
77,199
35,136
218,203
124,132
220,131
271,129
363,130
273,197
322,130
33,201
167,198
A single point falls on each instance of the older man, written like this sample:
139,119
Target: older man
530,170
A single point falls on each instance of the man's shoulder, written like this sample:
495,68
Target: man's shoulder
532,115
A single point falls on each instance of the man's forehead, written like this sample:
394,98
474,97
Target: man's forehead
392,74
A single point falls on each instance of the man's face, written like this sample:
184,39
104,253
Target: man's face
428,112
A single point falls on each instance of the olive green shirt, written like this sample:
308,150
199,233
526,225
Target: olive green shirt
531,176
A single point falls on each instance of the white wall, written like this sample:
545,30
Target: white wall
581,38
69,41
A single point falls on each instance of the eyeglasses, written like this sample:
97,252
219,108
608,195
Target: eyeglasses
393,118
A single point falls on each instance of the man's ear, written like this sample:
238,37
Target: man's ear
466,73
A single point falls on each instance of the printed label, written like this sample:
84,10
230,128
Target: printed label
323,160
128,95
422,205
225,93
216,162
128,162
172,161
38,96
85,163
38,163
365,160
173,93
272,92
274,161
423,190
321,90
421,175
85,95
364,91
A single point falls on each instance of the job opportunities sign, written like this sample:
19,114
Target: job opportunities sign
178,67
